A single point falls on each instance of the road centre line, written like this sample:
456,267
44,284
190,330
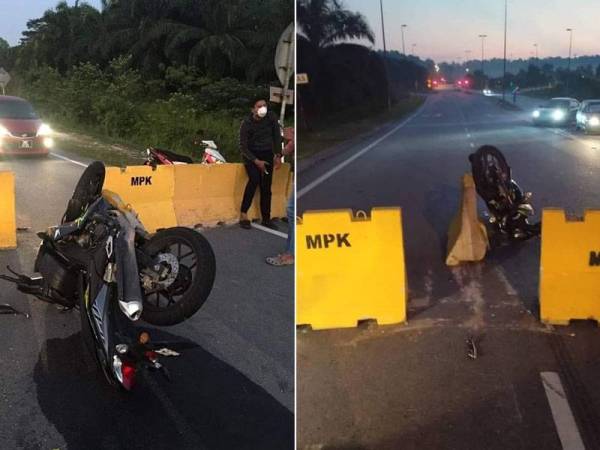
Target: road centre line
564,420
309,187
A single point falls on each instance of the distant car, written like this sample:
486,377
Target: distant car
556,111
582,112
487,92
21,130
591,124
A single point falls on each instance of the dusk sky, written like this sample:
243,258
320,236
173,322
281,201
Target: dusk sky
444,29
14,14
441,29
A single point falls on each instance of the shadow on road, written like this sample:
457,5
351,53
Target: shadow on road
209,404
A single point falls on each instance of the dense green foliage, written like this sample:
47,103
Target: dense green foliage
151,72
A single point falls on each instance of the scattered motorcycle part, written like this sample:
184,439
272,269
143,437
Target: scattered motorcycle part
471,347
8,309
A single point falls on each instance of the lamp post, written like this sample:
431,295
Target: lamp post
504,69
570,30
385,61
402,27
482,36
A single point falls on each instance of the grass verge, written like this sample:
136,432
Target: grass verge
112,152
345,126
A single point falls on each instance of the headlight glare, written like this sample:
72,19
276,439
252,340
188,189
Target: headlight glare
536,114
44,130
594,121
558,114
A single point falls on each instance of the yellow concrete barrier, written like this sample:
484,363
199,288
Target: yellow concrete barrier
467,236
569,267
350,268
188,195
208,194
150,192
8,222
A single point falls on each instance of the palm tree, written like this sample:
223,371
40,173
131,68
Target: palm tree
325,22
336,68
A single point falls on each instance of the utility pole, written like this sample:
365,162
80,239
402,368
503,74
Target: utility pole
385,61
536,51
402,27
413,50
482,36
504,70
570,30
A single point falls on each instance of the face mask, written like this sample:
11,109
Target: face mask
262,111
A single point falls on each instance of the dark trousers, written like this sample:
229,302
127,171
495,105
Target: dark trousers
258,179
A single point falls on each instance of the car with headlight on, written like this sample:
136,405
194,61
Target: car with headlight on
582,112
556,111
22,132
591,124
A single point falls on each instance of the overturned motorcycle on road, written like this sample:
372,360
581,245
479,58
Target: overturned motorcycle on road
508,206
102,262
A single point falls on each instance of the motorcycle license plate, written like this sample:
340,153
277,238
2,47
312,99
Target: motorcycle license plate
26,144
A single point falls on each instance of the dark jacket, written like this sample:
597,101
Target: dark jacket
259,137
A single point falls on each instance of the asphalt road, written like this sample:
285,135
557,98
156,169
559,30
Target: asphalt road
235,390
412,386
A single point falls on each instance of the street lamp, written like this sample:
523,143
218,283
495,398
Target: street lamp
402,27
570,30
385,61
482,36
504,70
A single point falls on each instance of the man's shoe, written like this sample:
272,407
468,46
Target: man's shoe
245,224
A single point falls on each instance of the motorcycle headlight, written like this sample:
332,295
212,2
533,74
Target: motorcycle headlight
4,131
594,121
536,114
558,114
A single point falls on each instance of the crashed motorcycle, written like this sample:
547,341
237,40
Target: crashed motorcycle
508,206
157,156
102,262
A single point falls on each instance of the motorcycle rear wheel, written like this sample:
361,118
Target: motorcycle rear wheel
194,282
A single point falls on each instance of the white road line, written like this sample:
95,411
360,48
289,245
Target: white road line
309,187
561,412
268,230
68,159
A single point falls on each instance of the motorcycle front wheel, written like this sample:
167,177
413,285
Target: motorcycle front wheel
196,267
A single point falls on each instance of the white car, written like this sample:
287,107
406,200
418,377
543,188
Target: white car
556,111
583,112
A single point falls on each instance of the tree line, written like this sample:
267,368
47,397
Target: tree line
153,72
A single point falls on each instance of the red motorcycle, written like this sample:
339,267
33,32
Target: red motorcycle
158,156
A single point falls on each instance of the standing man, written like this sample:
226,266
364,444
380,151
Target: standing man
260,144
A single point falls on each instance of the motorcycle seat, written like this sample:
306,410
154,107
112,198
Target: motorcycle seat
174,156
